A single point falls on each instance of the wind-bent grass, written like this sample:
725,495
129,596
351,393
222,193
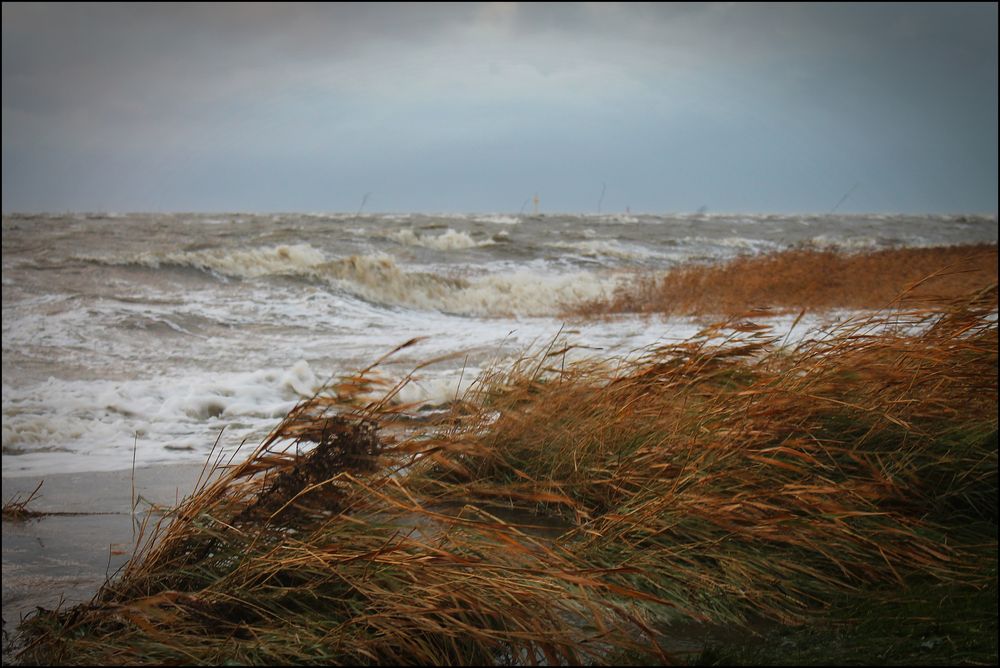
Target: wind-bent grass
578,513
806,278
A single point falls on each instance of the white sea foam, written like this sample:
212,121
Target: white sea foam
448,240
616,218
437,389
250,263
596,248
740,243
521,292
97,422
853,243
498,219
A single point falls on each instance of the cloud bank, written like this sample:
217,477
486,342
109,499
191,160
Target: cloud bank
473,107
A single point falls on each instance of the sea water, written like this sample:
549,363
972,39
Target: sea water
151,334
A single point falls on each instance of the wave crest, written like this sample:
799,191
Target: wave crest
280,260
378,278
449,240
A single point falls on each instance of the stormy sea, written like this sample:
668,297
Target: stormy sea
145,336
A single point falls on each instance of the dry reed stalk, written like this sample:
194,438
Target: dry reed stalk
17,510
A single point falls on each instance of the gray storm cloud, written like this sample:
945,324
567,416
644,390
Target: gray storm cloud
470,106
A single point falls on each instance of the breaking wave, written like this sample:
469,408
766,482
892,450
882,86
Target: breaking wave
596,248
449,240
524,292
298,259
498,219
379,278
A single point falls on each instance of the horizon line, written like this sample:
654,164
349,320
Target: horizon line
355,214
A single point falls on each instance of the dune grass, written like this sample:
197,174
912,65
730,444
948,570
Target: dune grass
586,513
807,278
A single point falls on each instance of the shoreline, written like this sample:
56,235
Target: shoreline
68,557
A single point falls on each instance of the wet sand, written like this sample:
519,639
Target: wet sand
68,557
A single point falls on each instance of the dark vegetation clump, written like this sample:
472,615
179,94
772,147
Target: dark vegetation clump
342,445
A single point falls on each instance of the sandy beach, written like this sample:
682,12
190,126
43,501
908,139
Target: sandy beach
68,557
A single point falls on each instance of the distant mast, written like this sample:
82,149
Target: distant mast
535,200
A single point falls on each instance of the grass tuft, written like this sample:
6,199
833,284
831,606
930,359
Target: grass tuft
16,510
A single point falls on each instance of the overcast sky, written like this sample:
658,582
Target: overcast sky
476,107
